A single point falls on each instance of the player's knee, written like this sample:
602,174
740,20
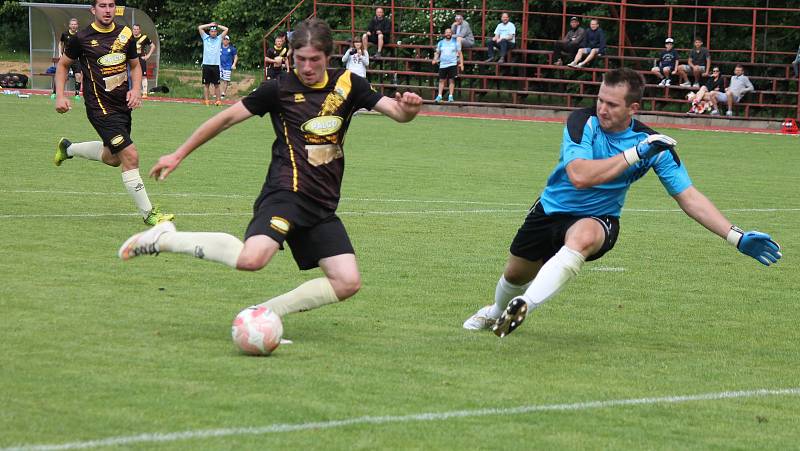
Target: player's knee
251,262
346,286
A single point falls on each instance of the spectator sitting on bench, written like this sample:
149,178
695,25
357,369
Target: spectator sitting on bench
666,62
701,100
594,44
378,32
796,64
699,65
504,39
738,87
570,43
463,32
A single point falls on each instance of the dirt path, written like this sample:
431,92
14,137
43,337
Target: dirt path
14,66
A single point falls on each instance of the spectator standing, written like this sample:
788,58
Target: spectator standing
568,45
143,44
378,32
699,64
738,87
664,66
277,58
504,39
212,43
228,58
463,32
75,68
796,64
450,60
594,43
701,100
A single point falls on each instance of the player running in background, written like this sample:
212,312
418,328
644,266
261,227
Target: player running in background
75,68
603,151
143,44
310,109
103,49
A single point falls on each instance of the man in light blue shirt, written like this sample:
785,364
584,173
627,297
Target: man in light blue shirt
212,45
450,59
576,219
504,39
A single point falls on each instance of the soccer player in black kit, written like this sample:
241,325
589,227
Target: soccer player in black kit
106,50
310,110
75,68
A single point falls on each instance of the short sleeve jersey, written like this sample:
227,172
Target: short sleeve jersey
448,52
310,124
143,44
211,48
668,58
65,39
699,56
584,139
384,25
104,54
272,52
505,29
226,57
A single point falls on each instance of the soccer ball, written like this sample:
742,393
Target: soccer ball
257,330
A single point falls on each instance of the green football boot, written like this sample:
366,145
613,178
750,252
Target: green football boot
156,217
61,151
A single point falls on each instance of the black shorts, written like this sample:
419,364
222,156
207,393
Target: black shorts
448,73
373,38
75,68
312,232
210,74
542,235
114,129
143,65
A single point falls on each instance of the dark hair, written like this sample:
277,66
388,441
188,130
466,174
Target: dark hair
739,65
698,38
626,76
315,33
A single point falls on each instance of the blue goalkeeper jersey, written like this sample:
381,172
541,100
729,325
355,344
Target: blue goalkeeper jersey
584,139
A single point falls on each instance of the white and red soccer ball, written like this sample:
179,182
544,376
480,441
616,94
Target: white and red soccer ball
257,330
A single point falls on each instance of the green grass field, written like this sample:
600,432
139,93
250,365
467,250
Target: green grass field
92,348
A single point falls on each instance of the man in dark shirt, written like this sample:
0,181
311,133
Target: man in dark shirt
378,32
699,64
277,58
145,49
594,44
310,110
568,45
666,62
75,68
106,50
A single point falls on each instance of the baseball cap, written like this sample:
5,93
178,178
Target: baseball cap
575,18
669,41
227,37
212,28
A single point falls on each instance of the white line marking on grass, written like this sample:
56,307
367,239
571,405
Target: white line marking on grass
429,416
340,213
607,269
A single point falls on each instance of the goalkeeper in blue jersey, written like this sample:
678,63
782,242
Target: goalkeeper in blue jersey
576,219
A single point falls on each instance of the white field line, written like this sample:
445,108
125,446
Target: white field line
607,269
389,419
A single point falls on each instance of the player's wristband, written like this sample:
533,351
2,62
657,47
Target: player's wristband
631,156
735,236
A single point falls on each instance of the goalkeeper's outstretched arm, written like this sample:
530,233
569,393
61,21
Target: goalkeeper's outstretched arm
756,244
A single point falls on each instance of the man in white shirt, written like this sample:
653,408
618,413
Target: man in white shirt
504,39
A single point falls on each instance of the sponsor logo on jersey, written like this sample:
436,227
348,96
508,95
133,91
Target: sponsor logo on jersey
280,224
94,43
323,125
111,59
117,140
299,98
119,11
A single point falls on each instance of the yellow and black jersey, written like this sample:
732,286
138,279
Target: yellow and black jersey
310,123
104,55
272,52
65,39
143,44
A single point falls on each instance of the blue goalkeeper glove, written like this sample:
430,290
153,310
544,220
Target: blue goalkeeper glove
755,244
648,148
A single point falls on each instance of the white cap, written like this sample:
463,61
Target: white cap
669,41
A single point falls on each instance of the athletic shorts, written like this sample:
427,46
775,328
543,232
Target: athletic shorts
373,38
114,129
448,73
688,68
210,74
661,67
225,74
143,65
74,68
542,235
722,97
312,232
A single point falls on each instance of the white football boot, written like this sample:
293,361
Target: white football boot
144,243
480,320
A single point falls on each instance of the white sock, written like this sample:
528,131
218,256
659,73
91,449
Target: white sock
144,85
553,276
308,296
504,292
218,247
133,183
91,150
